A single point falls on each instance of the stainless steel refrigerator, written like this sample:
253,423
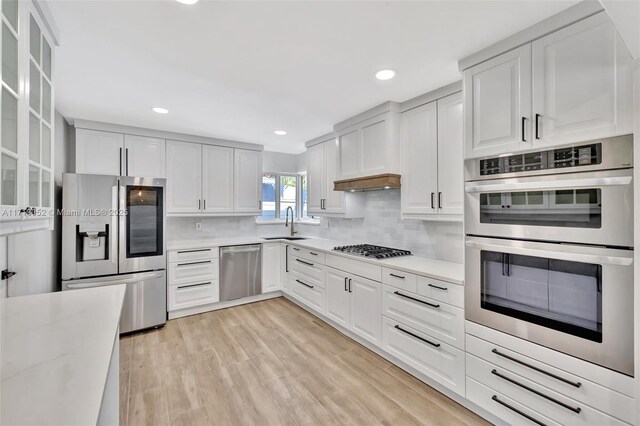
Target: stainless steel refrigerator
113,232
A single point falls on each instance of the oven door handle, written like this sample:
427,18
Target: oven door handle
537,185
599,256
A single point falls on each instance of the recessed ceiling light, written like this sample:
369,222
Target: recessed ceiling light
280,132
160,110
187,1
385,74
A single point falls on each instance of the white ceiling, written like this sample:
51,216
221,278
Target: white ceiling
240,70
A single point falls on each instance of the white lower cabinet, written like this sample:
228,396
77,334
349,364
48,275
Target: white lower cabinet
364,308
271,267
309,294
336,287
189,295
193,278
432,357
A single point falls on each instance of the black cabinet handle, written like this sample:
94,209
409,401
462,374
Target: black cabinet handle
416,300
193,251
286,258
296,248
439,200
199,204
304,263
397,276
515,410
194,285
304,284
350,286
345,284
126,163
523,121
432,204
539,370
438,287
537,118
437,345
204,204
536,392
315,254
120,162
193,263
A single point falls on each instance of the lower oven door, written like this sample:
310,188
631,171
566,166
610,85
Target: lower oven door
588,208
574,299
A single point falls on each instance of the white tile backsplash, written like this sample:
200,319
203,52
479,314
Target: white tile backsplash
381,225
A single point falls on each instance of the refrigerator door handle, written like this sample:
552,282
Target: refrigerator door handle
131,279
113,232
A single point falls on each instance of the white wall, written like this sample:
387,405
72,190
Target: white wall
278,162
34,256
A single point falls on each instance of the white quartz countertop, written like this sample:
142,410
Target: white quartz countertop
434,268
55,351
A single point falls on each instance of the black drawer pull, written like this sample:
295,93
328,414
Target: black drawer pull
194,285
295,248
417,300
547,397
304,263
397,276
307,285
193,251
437,345
438,287
539,370
515,410
315,254
194,263
345,284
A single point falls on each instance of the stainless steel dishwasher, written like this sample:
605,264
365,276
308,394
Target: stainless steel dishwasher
240,271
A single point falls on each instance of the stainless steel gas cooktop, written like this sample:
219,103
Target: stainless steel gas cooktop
376,252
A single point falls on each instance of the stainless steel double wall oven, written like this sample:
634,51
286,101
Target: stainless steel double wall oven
549,248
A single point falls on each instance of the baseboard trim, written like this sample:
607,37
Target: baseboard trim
222,305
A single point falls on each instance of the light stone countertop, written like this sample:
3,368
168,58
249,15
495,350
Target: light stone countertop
55,351
433,268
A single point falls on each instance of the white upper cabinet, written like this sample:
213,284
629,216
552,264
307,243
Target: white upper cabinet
581,83
369,144
432,160
217,179
247,183
336,201
184,177
144,156
572,85
316,178
98,152
498,104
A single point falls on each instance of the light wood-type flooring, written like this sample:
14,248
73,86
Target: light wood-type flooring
268,363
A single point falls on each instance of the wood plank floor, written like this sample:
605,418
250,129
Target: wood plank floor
268,363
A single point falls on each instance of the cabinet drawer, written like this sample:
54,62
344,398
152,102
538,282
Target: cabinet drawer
356,267
189,295
307,293
312,255
503,407
400,279
453,294
193,255
541,399
201,270
310,271
432,357
444,322
584,391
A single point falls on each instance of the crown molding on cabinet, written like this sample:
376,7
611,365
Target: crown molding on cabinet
139,131
320,139
372,112
554,23
434,95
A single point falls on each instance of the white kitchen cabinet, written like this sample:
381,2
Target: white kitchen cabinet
184,177
271,267
581,83
349,153
572,85
316,178
247,181
99,152
217,179
498,104
338,300
144,156
432,160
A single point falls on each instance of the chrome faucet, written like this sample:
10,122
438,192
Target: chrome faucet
286,221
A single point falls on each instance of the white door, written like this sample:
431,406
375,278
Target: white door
99,153
365,309
450,156
498,104
581,83
217,179
373,151
184,177
335,284
349,154
144,157
315,178
270,267
334,201
247,181
420,160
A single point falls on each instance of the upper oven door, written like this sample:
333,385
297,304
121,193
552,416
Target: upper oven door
142,224
574,299
589,207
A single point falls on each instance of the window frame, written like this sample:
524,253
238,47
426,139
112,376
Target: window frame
299,209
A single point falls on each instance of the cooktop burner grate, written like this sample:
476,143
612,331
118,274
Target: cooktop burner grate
369,250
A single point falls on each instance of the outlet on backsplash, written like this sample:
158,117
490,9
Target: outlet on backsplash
198,226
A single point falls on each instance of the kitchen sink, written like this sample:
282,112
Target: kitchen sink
284,238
